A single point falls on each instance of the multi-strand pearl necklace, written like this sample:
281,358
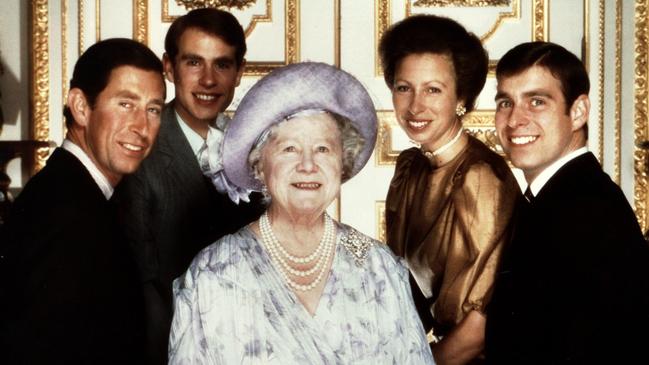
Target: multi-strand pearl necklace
320,255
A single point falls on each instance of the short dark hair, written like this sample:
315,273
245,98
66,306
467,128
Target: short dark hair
212,21
421,34
93,69
560,62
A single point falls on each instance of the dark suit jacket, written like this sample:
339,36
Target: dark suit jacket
573,286
170,212
69,289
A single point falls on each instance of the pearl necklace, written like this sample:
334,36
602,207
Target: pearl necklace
448,145
278,253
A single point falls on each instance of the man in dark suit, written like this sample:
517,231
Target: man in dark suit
169,208
69,282
573,286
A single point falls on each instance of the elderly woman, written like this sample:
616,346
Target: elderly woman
449,203
296,287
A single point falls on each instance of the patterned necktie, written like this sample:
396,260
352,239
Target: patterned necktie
204,158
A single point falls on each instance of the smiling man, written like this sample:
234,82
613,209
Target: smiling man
69,283
169,208
573,285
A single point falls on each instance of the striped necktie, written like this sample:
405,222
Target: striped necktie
528,195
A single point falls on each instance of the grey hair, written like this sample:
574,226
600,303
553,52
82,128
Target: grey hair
352,144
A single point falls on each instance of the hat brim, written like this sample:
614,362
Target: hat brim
287,91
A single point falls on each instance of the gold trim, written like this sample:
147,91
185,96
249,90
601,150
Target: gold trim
479,123
586,39
166,18
80,20
292,43
97,20
268,17
337,17
460,3
618,91
379,208
600,109
385,154
640,117
64,59
382,22
39,57
140,21
540,20
513,14
382,17
195,4
292,36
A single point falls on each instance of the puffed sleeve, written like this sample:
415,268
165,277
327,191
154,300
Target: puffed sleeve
401,193
484,203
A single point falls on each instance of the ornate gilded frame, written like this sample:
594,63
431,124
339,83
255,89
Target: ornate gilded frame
40,80
641,132
383,16
292,36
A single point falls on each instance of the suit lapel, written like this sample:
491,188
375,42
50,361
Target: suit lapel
181,164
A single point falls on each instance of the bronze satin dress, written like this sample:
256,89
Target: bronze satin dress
449,219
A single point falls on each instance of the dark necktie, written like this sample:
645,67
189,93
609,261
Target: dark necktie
528,195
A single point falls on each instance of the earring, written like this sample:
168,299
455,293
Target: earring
460,110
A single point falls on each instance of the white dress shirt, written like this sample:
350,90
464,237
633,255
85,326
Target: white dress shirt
549,171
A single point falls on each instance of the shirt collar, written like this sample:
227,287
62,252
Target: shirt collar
101,180
549,171
194,139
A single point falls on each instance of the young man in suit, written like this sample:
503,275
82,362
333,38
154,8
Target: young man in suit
170,209
69,282
573,286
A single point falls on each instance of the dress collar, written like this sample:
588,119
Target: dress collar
448,152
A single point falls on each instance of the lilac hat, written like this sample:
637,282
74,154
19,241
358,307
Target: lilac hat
286,91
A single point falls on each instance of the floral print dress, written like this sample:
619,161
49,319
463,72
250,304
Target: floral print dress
232,306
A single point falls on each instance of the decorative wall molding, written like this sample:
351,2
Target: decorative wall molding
540,20
195,4
640,117
383,19
600,54
64,56
80,25
40,80
264,18
618,92
479,123
379,208
292,28
140,21
460,3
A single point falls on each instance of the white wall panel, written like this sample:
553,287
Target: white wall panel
343,33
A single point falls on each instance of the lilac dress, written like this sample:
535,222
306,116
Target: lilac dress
233,307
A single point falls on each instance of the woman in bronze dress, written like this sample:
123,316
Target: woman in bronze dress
450,201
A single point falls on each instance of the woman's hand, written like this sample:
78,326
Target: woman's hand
464,342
